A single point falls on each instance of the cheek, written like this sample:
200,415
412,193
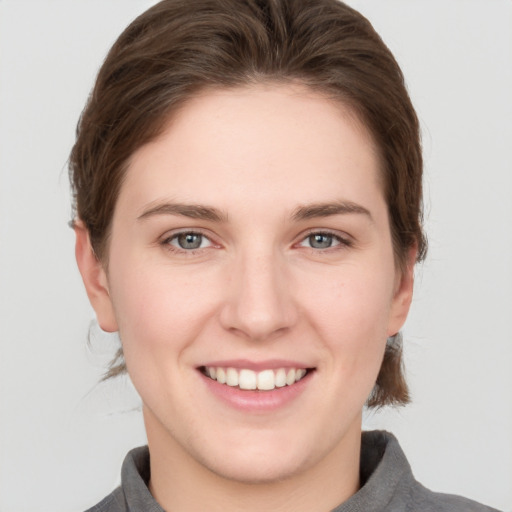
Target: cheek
351,299
158,310
351,311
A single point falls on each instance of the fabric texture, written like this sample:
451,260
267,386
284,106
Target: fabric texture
387,484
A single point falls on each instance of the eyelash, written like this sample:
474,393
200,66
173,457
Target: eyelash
341,242
167,242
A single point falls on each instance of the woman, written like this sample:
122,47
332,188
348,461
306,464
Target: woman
247,178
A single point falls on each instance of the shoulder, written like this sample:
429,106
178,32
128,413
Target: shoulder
426,500
389,484
133,493
114,502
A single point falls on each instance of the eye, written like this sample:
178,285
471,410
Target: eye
188,241
319,240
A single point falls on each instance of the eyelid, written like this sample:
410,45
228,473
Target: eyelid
166,239
344,239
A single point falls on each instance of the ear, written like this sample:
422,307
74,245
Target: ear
94,278
403,294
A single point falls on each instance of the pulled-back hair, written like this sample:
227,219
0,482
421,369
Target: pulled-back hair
179,48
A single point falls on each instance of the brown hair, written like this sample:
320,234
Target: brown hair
180,47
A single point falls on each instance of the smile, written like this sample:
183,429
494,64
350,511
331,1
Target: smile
246,379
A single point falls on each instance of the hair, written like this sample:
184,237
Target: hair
179,48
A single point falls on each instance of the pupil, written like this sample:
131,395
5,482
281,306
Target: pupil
190,240
320,241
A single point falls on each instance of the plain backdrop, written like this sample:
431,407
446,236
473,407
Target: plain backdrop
63,436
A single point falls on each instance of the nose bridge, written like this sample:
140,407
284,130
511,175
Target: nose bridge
259,302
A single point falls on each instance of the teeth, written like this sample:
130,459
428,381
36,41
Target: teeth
247,379
231,377
280,378
299,374
221,375
265,380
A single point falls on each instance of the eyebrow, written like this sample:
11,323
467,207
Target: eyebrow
191,211
315,210
209,213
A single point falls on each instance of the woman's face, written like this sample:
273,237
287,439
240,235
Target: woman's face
251,242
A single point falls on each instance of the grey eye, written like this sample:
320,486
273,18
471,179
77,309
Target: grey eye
320,240
189,240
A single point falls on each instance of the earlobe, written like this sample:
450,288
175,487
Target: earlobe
94,278
403,294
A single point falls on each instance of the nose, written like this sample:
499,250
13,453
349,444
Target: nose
259,302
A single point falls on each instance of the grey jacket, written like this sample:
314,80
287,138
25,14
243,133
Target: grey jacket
388,484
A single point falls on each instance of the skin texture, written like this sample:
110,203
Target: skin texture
255,290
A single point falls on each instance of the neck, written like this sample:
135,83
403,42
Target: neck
180,483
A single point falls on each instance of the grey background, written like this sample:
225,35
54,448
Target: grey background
63,436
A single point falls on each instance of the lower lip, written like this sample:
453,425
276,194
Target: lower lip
257,401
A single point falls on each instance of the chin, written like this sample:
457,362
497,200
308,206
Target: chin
253,470
263,457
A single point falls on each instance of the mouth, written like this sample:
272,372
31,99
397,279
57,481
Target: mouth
250,380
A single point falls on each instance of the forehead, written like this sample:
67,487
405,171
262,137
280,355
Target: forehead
266,139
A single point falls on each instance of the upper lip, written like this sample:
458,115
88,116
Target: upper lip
269,364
